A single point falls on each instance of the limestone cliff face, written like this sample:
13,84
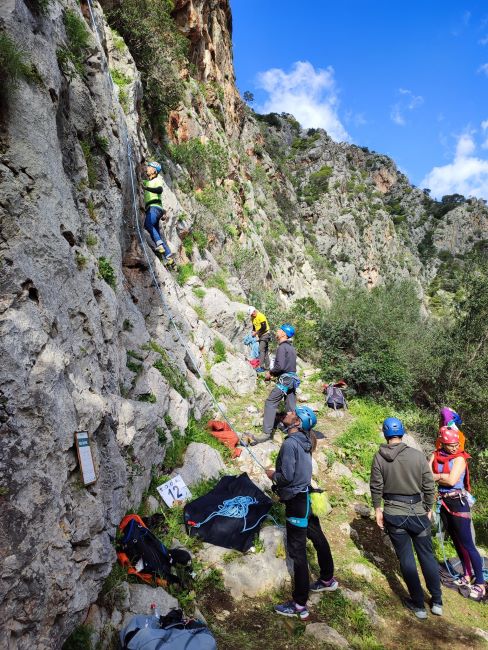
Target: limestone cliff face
208,26
85,341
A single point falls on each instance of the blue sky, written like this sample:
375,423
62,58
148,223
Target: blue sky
407,79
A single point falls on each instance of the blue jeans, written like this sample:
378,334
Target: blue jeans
403,531
151,224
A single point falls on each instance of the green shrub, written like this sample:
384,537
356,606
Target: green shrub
185,272
79,639
81,260
72,57
218,281
169,371
106,272
91,240
206,163
318,184
199,292
197,237
151,35
13,65
219,351
91,167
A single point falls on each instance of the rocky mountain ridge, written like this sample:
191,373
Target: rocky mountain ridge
270,211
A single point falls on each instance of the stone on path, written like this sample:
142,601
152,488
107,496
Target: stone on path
362,571
362,510
326,634
235,374
338,470
252,574
366,603
200,462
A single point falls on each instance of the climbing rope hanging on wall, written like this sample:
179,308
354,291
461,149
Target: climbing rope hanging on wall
140,234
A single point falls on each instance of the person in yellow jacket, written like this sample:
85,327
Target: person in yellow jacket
153,189
260,330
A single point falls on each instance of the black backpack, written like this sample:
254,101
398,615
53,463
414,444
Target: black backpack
335,398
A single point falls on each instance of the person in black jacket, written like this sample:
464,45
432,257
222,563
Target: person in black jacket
284,369
291,481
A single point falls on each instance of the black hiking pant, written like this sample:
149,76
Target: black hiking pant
264,350
296,544
405,530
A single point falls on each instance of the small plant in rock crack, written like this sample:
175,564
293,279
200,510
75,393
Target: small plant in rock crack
106,272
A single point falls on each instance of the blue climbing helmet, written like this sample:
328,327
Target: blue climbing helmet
307,416
156,166
288,329
393,427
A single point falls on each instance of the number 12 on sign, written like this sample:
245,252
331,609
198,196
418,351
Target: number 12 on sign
174,490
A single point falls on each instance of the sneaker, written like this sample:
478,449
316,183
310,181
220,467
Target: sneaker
292,609
160,250
461,582
324,585
477,592
419,612
436,609
169,260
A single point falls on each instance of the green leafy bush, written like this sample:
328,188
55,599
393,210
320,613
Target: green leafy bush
169,371
219,351
152,36
14,65
71,58
318,184
206,163
185,271
106,272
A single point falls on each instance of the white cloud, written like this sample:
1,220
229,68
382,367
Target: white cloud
467,174
408,102
484,68
484,128
309,94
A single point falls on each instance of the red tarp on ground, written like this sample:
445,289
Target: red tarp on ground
223,432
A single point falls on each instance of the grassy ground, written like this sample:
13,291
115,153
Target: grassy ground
251,624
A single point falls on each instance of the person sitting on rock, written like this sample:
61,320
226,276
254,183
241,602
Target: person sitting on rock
284,369
401,477
291,481
450,471
260,331
153,189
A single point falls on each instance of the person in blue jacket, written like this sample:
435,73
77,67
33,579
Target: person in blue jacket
291,480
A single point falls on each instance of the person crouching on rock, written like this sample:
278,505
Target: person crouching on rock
153,189
450,470
291,480
401,477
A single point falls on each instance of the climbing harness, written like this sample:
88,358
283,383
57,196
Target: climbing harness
301,522
292,382
148,258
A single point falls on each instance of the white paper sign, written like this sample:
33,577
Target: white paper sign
174,490
86,458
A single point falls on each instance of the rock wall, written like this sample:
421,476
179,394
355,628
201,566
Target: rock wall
82,327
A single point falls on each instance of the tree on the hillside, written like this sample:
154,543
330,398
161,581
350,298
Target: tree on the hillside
248,96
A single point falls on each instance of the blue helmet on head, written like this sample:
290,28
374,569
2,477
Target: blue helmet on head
307,416
156,166
393,427
288,329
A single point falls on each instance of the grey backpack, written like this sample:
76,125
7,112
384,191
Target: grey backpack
136,636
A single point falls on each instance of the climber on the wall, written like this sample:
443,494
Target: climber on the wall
284,370
153,189
260,331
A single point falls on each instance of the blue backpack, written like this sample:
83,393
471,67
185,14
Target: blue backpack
145,633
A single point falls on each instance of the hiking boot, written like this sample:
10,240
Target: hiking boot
160,251
419,612
169,261
292,609
436,609
324,585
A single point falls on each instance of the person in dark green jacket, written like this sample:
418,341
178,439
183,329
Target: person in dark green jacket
153,189
402,479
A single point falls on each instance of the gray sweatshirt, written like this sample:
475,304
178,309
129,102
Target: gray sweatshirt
399,469
293,465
